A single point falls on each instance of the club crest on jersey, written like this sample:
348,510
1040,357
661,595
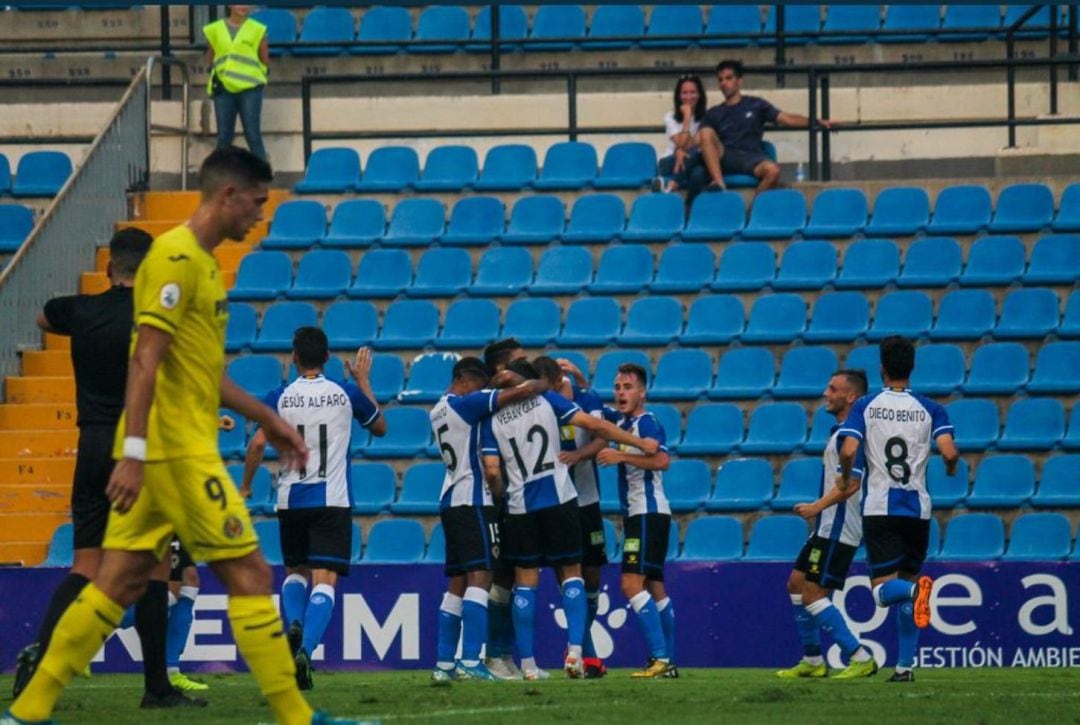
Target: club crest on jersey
170,295
233,528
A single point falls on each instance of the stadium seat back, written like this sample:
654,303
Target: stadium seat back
776,538
735,23
776,318
567,165
713,538
513,25
441,23
1068,216
684,268
801,481
623,270
1054,260
448,168
607,366
683,374
242,327
964,315
715,216
535,220
868,359
745,267
595,218
939,369
383,23
322,274
907,18
627,165
441,273
687,483
901,210
591,321
1005,481
556,21
672,20
475,221
712,429
1059,484
16,223
946,491
280,28
654,218
742,484
613,21
838,212
652,321
869,264
1033,424
469,324
330,171
1023,208
408,434
994,261
502,271
356,223
808,265
976,422
1039,537
775,428
562,270
382,273
1057,369
744,373
280,322
429,377
931,262
323,25
805,371
387,376
508,167
1028,314
776,214
61,552
999,368
715,319
373,486
973,537
257,374
269,533
408,324
395,541
858,19
416,222
534,322
297,225
390,168
41,173
960,209
839,317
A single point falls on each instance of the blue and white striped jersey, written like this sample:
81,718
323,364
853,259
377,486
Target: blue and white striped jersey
456,422
322,412
640,491
896,428
584,474
842,521
526,436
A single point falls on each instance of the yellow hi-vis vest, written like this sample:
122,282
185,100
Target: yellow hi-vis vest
236,58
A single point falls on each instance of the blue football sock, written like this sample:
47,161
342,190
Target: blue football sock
829,618
667,623
524,617
500,625
649,619
294,599
592,598
908,635
317,616
894,591
576,609
809,632
474,624
181,615
449,630
128,620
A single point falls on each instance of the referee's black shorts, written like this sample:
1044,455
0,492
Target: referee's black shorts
93,466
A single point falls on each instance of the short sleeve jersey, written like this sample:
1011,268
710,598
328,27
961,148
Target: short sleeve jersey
178,289
456,422
526,436
742,125
896,428
584,474
842,521
640,491
672,127
322,411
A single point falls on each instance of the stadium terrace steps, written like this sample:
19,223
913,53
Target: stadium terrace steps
21,471
38,443
57,342
47,362
27,553
40,389
41,416
39,498
92,283
30,527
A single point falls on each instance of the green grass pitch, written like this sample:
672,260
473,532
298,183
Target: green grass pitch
700,695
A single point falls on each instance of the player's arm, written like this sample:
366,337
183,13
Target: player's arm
360,370
43,323
291,448
833,497
253,458
571,369
609,431
658,461
949,452
586,452
848,452
521,391
493,475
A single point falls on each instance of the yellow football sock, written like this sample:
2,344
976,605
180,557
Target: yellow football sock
82,629
258,632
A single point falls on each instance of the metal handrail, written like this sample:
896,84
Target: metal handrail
185,111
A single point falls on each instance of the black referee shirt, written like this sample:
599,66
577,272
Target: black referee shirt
100,329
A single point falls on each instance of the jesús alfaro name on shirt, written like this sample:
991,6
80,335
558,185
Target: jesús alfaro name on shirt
330,400
516,411
899,416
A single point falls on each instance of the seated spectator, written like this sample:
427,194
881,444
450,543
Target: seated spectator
681,162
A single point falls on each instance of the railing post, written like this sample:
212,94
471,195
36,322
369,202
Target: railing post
496,61
166,51
811,115
1053,54
571,105
1010,82
826,148
305,115
781,59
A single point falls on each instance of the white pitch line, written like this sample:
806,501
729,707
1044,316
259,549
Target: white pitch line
450,712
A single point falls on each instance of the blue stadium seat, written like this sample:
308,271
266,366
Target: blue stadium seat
869,264
280,321
1068,216
436,548
395,541
1035,27
334,369
441,273
627,165
390,168
742,484
387,376
1071,441
797,18
1057,369
715,216
738,23
475,220
373,486
670,420
684,268
41,173
556,21
325,25
502,271
994,261
534,323
1054,260
622,270
687,484
1039,537
744,373
713,538
906,18
382,273
577,357
242,327
672,20
321,275
269,534
1028,314
408,433
745,267
1002,482
232,443
330,171
1023,208
614,21
16,223
964,315
673,540
776,214
562,270
1059,485
508,167
608,364
837,212
280,28
960,210
408,324
513,25
350,324
596,218
1033,424
469,324
939,369
807,265
999,368
61,547
5,175
652,321
609,490
931,262
257,374
681,375
448,168
838,317
654,218
946,491
800,482
429,377
296,225
775,428
383,24
899,211
776,318
973,537
449,23
905,312
856,19
712,429
535,220
415,223
713,320
964,18
592,321
804,372
356,223
976,423
820,430
568,165
421,485
1070,322
868,359
778,537
263,499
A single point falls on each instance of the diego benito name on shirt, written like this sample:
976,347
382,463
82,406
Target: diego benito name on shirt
899,416
326,400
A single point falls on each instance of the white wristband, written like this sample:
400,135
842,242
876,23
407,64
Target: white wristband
135,448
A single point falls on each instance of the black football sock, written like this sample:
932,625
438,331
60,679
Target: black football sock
62,598
151,622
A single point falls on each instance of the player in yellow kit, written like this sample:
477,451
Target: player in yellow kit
169,476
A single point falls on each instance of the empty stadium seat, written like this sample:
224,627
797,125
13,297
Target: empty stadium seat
681,375
561,271
1023,208
946,491
242,327
963,18
837,212
670,420
820,429
1028,314
1033,424
321,275
687,483
994,261
1071,442
594,321
627,165
534,323
712,429
1070,322
408,433
713,538
973,537
809,265
502,271
61,552
668,20
715,216
931,262
296,225
41,173
420,488
797,18
280,28
907,18
5,175
742,484
652,321
356,223
16,223
415,223
394,541
1057,369
595,218
776,214
568,165
738,24
263,498
868,359
513,25
776,318
778,537
960,210
334,369
469,324
614,21
899,211
556,21
475,220
1054,260
654,218
684,268
535,220
869,263
269,533
441,273
448,168
330,171
1002,482
387,376
838,317
408,324
449,23
744,373
279,323
745,267
800,482
964,315
372,486
1068,216
999,368
775,428
623,270
673,540
257,374
939,369
350,324
1039,537
383,25
804,372
429,377
325,25
382,273
390,168
713,320
436,548
607,366
856,19
1059,485
508,167
976,423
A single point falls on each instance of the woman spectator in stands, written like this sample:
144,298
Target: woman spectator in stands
237,58
681,162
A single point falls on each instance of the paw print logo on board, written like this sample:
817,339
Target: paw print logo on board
606,619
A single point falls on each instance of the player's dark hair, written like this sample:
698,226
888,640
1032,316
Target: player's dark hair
700,106
497,354
472,367
311,348
524,368
855,378
232,164
735,66
636,370
127,248
549,370
897,357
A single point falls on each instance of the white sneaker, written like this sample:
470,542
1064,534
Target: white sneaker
534,675
503,668
573,667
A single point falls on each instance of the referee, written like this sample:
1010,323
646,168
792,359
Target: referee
100,330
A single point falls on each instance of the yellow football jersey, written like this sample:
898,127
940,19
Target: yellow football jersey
178,289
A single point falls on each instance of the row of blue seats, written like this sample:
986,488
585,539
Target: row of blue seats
16,222
39,173
714,216
1026,314
560,28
